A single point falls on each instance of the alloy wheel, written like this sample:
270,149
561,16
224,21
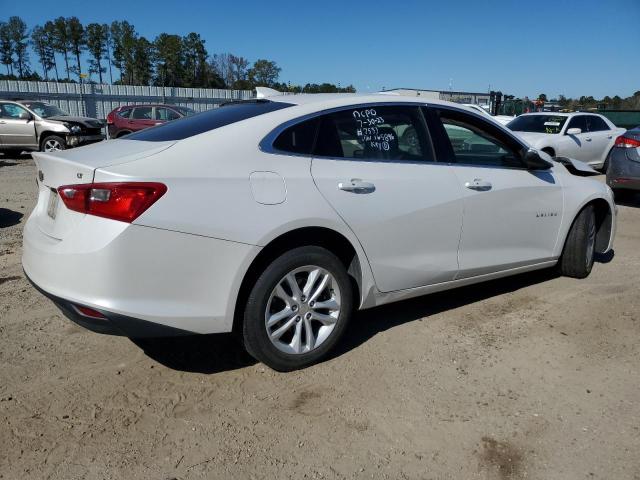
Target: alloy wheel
302,310
52,145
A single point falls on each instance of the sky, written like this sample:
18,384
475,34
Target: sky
521,47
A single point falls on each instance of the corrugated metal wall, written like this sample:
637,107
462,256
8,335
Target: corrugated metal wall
98,100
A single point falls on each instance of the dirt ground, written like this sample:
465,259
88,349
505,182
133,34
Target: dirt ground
532,377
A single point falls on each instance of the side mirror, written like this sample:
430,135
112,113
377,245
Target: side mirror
24,116
534,161
574,131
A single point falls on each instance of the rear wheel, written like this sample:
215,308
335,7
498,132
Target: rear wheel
298,309
53,143
579,249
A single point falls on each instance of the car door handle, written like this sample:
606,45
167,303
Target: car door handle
588,139
609,137
2,122
478,185
355,185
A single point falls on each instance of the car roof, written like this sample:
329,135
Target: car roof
561,114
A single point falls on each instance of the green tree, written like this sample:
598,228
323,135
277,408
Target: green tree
61,41
123,41
50,39
20,40
195,60
542,97
143,55
77,42
42,47
6,47
97,38
168,59
264,73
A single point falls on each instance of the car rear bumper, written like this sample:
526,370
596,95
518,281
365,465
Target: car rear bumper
624,169
139,278
111,323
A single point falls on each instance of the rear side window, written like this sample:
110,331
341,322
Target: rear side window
596,124
166,114
205,121
298,138
374,133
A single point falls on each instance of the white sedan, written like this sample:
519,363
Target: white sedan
277,218
588,137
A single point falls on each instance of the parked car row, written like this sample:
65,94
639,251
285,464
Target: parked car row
33,125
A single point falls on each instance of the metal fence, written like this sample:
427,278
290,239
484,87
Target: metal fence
97,101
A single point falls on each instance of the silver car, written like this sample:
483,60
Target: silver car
31,125
623,172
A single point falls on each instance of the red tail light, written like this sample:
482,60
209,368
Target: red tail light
118,201
626,142
110,118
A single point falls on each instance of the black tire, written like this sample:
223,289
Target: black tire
605,165
53,138
122,134
256,338
579,248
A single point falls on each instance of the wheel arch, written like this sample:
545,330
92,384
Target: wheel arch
604,223
550,150
325,237
48,133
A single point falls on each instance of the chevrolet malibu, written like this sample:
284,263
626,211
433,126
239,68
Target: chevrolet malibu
278,218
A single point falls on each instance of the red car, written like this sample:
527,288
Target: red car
131,118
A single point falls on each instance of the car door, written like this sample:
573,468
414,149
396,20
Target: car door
512,215
164,114
17,126
141,118
603,136
580,146
375,165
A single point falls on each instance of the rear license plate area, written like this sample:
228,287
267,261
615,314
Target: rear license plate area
52,206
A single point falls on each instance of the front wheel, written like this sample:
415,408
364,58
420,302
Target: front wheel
579,249
298,309
53,143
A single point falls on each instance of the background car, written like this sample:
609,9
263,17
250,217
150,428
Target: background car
132,118
583,136
624,162
31,125
503,119
276,219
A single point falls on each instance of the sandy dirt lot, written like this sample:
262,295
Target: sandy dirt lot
531,377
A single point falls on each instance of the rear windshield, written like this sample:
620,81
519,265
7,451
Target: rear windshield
205,121
537,123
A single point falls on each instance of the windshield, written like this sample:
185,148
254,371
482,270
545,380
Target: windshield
45,110
537,123
186,111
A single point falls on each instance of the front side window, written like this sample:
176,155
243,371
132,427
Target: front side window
166,114
124,113
596,124
580,122
46,110
551,124
374,133
9,110
474,142
142,113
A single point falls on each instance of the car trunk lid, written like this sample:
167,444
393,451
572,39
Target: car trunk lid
78,166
